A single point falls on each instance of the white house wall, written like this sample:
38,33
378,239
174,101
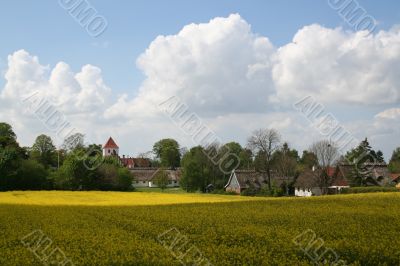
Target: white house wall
151,184
233,184
307,192
140,184
172,184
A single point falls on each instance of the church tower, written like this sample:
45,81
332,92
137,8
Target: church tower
110,148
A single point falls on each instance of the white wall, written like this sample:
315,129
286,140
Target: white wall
233,184
109,151
151,184
140,184
172,184
307,192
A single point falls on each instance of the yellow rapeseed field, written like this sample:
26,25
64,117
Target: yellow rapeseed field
97,198
107,228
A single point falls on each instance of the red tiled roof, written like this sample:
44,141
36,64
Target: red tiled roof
340,182
330,171
110,144
127,162
142,162
394,177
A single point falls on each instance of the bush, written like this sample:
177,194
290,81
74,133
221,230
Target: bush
31,175
251,191
355,190
125,180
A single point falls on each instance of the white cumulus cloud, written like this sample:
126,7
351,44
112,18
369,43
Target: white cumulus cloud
233,78
338,66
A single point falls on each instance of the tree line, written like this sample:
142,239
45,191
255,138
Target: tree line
42,166
76,166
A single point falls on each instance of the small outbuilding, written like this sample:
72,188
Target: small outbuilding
241,180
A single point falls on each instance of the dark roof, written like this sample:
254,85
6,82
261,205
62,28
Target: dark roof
380,171
308,179
148,173
252,178
110,144
135,162
143,174
141,162
248,178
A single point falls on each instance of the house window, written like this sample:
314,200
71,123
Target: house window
108,151
175,181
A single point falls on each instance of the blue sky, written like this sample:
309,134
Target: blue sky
45,29
359,86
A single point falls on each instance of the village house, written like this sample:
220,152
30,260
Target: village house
240,180
309,182
140,167
395,177
144,177
378,173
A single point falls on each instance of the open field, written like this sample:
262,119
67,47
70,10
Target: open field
97,198
112,228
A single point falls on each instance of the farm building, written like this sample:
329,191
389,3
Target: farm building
241,180
376,174
111,149
140,167
395,179
144,177
309,182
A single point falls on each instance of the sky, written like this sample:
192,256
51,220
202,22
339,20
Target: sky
236,65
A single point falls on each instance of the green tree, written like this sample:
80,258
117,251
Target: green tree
73,142
73,174
362,158
10,156
327,154
161,179
363,153
125,179
264,142
44,151
285,162
394,163
246,159
229,156
195,174
308,160
167,151
31,175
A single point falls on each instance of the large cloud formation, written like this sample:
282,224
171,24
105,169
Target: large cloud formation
233,78
338,66
83,91
216,68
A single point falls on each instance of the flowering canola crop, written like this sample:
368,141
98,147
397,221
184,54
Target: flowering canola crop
112,228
